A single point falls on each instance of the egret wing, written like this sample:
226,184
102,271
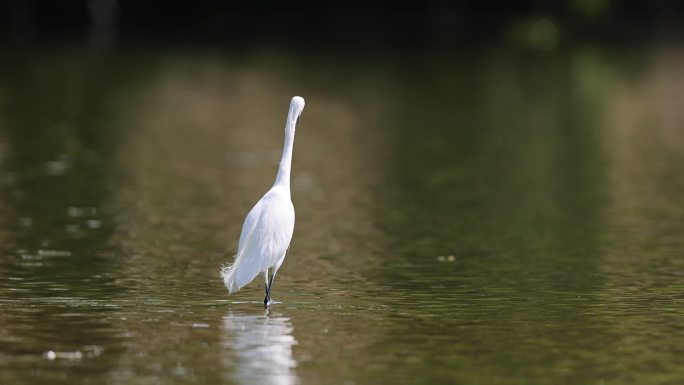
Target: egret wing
265,236
268,241
249,224
235,275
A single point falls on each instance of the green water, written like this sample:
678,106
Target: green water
475,216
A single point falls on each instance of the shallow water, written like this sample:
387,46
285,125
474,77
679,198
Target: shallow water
485,216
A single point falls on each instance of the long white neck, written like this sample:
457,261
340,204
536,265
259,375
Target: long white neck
283,177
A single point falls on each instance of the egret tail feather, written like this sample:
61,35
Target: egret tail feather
228,275
231,276
239,274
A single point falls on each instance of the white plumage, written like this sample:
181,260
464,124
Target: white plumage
268,228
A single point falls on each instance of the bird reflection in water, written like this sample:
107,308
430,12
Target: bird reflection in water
262,346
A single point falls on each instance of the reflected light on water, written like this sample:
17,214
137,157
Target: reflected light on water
262,348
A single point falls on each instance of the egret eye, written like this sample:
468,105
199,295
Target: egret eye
299,118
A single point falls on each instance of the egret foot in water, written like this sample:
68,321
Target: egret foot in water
269,285
267,299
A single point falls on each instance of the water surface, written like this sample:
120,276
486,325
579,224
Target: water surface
486,216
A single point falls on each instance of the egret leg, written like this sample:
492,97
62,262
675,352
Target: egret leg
266,285
267,300
270,283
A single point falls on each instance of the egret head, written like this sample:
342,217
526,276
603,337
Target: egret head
296,108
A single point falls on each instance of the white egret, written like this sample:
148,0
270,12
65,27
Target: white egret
268,228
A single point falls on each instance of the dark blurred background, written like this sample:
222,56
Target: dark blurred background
324,23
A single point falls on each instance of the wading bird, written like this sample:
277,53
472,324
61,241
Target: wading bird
268,228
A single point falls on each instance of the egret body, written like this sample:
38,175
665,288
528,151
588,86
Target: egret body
268,228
